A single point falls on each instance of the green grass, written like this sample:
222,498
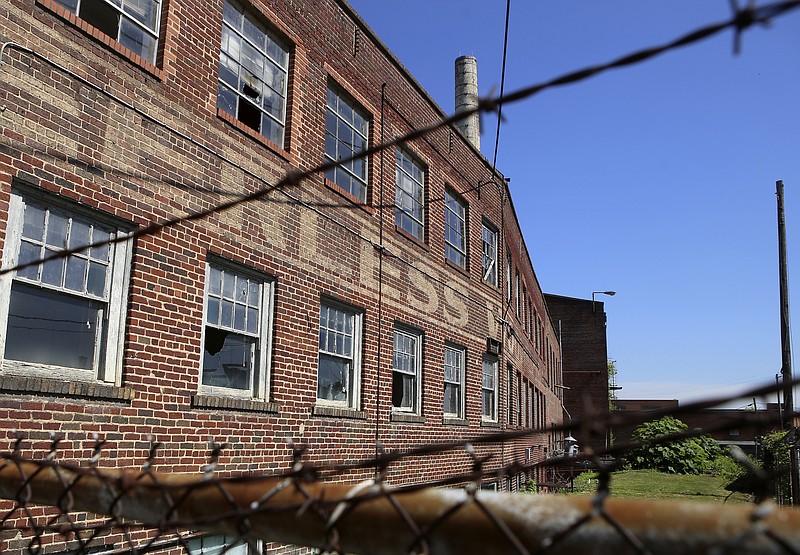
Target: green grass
656,485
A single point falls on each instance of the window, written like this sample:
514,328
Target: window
410,195
489,265
64,317
508,275
407,371
253,74
346,134
216,545
339,373
454,382
489,389
516,292
455,230
133,23
237,332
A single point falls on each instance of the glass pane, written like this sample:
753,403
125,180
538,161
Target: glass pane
332,378
252,320
226,100
254,32
46,327
29,253
79,234
101,252
227,359
52,270
239,313
228,70
144,11
33,228
254,299
227,314
232,16
212,316
76,271
214,281
96,283
228,284
57,230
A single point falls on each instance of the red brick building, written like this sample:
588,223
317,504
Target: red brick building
581,324
390,300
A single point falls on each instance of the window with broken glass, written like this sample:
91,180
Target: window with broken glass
253,74
407,371
338,376
236,334
489,266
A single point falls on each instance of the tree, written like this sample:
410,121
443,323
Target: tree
686,456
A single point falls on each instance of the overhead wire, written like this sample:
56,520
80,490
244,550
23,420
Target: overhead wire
741,20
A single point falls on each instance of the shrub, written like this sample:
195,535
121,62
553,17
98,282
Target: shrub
685,456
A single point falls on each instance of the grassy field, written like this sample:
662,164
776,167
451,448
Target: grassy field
656,485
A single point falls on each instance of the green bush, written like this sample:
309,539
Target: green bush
685,456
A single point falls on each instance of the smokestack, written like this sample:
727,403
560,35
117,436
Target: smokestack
467,98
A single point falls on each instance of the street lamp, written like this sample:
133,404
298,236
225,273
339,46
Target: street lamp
609,293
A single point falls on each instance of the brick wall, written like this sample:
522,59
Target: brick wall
157,148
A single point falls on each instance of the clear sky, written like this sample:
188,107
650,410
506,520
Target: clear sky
657,180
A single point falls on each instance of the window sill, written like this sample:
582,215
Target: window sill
460,269
101,37
407,417
454,421
337,189
50,386
410,237
338,412
232,403
255,135
490,424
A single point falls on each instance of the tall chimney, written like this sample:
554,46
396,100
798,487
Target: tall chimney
467,98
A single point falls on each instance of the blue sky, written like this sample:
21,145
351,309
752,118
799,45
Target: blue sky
657,180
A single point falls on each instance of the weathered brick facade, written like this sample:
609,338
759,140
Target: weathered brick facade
151,145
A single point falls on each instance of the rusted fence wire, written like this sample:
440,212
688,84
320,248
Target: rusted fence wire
78,506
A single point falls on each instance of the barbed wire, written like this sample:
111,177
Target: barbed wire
742,19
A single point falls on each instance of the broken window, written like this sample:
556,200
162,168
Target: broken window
235,337
253,74
407,371
338,376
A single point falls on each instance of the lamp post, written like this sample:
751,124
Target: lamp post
609,293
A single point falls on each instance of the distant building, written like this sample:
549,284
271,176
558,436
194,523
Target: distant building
581,325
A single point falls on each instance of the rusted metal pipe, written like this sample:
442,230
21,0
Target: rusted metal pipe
369,518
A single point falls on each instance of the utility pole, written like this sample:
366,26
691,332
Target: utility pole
786,350
786,353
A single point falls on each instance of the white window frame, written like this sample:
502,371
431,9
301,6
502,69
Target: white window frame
353,386
274,52
219,544
129,17
456,362
415,338
259,377
341,109
489,237
409,194
109,343
491,387
455,239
